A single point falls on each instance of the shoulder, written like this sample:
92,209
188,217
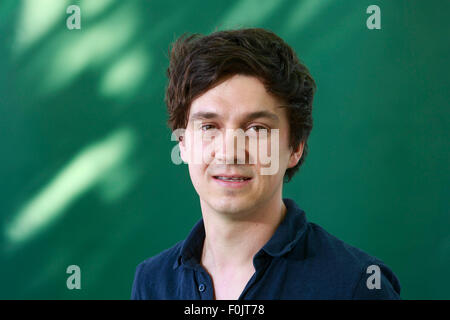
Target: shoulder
153,270
349,268
163,259
323,244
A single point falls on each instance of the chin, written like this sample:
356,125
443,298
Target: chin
231,205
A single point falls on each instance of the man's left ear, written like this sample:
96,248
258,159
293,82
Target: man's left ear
296,155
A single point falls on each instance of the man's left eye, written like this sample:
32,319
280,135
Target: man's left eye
257,128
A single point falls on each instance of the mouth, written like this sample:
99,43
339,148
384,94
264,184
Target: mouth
232,181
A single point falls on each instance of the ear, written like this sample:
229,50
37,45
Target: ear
182,146
296,155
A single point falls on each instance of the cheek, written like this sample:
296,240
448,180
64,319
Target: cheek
272,153
199,149
198,176
285,152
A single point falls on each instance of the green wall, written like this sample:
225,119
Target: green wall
85,167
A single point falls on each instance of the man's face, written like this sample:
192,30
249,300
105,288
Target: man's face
213,117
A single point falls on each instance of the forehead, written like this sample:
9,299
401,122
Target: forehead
236,97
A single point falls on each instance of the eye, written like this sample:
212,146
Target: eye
206,127
257,128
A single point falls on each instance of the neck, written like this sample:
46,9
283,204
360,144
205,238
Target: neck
232,243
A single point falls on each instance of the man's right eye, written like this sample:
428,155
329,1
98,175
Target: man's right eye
206,127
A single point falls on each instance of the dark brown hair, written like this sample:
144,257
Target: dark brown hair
198,63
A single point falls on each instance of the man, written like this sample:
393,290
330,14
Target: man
251,243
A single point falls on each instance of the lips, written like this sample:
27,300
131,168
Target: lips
231,178
232,181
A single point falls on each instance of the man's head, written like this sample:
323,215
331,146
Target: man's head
233,74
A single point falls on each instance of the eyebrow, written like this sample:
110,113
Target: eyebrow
248,116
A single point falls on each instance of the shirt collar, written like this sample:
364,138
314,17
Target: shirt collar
286,236
192,247
289,232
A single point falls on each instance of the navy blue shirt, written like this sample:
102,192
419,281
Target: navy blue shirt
300,261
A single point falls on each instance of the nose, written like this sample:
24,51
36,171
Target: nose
231,147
